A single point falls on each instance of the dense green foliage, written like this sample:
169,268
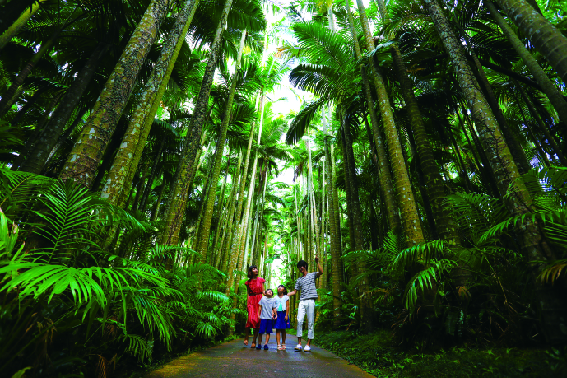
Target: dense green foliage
152,150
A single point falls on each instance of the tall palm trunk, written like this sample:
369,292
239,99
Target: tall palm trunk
232,261
508,179
178,201
444,225
384,175
38,156
220,252
555,97
87,152
130,152
546,38
410,219
208,210
19,23
336,264
15,88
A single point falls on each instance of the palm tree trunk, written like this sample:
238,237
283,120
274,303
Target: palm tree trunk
384,175
555,97
235,234
154,170
87,152
14,90
19,23
545,37
38,156
508,180
130,151
178,202
336,263
203,245
408,208
542,127
229,232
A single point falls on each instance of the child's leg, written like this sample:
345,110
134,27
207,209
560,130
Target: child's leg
259,339
278,336
254,337
284,335
267,338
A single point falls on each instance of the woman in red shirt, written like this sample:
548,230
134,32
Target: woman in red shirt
255,287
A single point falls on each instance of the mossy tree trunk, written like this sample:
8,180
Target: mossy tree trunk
178,201
411,223
203,243
545,37
37,157
555,97
87,152
119,179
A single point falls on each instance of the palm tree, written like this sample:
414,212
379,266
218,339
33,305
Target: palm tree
546,38
177,203
410,219
540,76
87,152
130,151
208,210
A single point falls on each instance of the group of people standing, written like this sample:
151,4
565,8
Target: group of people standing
266,312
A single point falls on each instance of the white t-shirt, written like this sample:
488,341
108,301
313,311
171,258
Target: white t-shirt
281,302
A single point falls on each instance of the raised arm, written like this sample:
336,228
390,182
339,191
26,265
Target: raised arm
291,293
319,267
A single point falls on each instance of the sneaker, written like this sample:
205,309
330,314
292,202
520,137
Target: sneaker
258,347
307,348
298,347
266,347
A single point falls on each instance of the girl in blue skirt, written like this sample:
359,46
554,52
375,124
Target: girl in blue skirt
282,320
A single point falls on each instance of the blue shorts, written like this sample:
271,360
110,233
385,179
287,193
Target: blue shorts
266,326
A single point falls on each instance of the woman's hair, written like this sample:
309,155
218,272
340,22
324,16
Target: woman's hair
284,289
250,275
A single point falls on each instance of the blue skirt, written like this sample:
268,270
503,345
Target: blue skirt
281,323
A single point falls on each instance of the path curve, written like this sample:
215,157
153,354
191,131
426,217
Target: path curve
232,359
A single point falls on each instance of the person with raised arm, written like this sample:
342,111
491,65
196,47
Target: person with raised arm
308,295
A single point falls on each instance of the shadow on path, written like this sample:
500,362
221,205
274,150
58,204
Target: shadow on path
232,359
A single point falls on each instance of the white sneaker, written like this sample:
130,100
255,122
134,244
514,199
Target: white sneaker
298,347
307,348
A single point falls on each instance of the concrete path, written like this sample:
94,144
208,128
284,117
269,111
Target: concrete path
232,359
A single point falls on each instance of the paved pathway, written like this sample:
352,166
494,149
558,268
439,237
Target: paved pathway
232,359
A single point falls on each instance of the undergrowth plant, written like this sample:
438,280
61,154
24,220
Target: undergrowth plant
81,309
480,289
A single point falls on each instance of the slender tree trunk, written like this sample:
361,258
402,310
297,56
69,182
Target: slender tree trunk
14,90
130,152
203,245
384,175
233,240
178,201
508,179
38,156
19,23
546,39
336,263
89,149
555,97
408,208
154,170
